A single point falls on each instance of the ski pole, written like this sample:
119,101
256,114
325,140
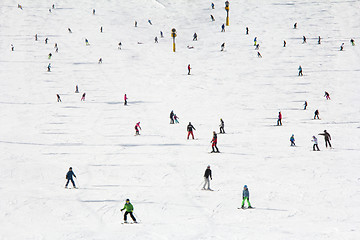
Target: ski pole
138,219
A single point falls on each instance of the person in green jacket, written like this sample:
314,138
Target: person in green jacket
129,210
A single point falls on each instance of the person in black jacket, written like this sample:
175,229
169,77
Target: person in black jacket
316,114
69,176
190,129
207,175
214,143
172,117
221,126
327,138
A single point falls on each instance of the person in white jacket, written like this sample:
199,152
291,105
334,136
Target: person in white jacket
315,144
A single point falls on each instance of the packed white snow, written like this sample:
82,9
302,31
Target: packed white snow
297,193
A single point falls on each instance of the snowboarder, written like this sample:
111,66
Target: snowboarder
49,67
255,41
129,210
137,128
36,37
195,37
176,118
305,105
304,39
83,97
69,30
352,42
222,47
284,43
259,54
172,117
135,24
319,40
212,18
156,40
342,47
214,143
295,25
100,60
223,28
69,177
279,119
316,114
119,45
50,55
93,11
190,129
12,48
292,140
161,34
101,29
315,144
300,71
125,99
246,196
58,98
247,31
207,177
189,68
46,40
327,138
87,42
77,89
212,5
149,21
327,95
221,126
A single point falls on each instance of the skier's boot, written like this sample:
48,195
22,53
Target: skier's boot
250,207
242,206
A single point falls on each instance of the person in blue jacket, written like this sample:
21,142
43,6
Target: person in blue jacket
69,176
292,140
246,196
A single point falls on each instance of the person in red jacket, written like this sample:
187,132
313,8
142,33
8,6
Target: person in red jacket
189,68
214,143
137,127
279,119
125,99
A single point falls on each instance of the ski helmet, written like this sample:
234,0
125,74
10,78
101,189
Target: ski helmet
128,200
245,186
70,168
208,166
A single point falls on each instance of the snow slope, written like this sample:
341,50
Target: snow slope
298,193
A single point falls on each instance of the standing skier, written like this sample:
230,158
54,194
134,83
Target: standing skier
195,37
319,40
327,138
49,67
93,11
300,71
247,31
58,98
156,40
189,68
214,143
207,175
46,40
119,46
129,210
87,42
100,60
259,54
125,99
255,41
50,55
212,5
295,25
221,126
352,42
77,89
304,39
137,127
315,144
190,129
69,30
69,177
83,97
246,196
292,140
327,95
223,28
316,114
176,118
222,47
149,21
279,119
161,34
305,105
212,18
284,43
36,37
342,47
101,29
172,117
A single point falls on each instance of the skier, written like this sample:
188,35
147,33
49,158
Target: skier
46,40
246,196
58,98
69,177
77,89
19,6
315,144
87,42
55,45
176,118
327,138
189,68
56,49
300,71
119,47
255,41
212,5
161,34
257,46
212,18
172,117
319,40
12,48
137,127
149,21
221,126
195,37
316,114
247,31
135,24
342,47
50,55
53,6
304,39
284,43
100,60
83,97
125,99
292,140
207,177
129,210
69,30
93,11
156,40
352,42
222,47
101,29
214,143
190,129
36,37
279,119
295,25
223,28
48,67
305,105
259,54
327,95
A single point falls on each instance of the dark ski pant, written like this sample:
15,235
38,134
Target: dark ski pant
222,130
72,181
243,202
316,146
214,146
316,116
125,103
190,132
292,143
327,141
279,122
131,215
171,120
